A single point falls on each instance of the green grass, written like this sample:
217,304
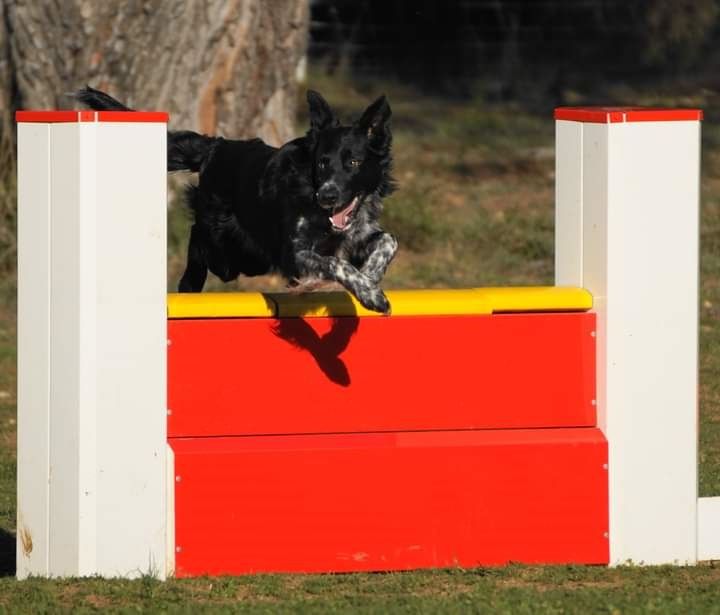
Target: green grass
513,589
474,208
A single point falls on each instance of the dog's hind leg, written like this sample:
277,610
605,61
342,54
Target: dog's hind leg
196,270
331,268
380,250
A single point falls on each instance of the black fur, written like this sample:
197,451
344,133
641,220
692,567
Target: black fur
307,210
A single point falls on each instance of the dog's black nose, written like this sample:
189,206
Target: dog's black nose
328,195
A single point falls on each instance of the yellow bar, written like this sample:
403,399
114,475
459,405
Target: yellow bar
441,302
220,305
537,299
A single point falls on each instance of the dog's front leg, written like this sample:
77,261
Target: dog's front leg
380,250
311,263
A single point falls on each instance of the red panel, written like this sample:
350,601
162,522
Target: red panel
52,117
322,375
609,115
397,501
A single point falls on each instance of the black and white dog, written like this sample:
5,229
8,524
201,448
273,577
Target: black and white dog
308,210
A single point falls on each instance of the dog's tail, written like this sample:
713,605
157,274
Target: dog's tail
99,101
186,150
189,151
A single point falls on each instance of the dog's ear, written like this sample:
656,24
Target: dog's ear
374,124
321,115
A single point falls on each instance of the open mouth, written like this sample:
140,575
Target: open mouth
342,218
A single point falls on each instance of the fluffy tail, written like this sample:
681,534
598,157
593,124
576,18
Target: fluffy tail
95,99
187,150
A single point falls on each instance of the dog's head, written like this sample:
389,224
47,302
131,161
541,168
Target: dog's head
351,164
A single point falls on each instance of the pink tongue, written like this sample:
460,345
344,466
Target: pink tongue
340,219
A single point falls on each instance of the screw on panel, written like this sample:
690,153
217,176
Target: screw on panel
605,466
169,342
177,479
605,534
593,402
169,412
178,549
592,333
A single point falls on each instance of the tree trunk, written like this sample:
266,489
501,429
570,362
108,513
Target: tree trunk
218,66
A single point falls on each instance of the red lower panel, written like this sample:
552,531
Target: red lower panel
265,376
390,501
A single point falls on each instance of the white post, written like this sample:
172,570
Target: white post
91,344
627,230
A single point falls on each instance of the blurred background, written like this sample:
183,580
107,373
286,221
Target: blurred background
472,84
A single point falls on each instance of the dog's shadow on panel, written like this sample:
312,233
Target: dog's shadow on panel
326,348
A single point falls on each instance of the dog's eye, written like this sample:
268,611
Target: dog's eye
355,162
321,165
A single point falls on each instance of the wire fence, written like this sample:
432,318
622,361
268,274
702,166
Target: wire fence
466,40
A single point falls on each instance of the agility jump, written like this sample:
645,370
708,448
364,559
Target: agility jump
247,432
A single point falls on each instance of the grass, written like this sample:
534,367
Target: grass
474,208
514,589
